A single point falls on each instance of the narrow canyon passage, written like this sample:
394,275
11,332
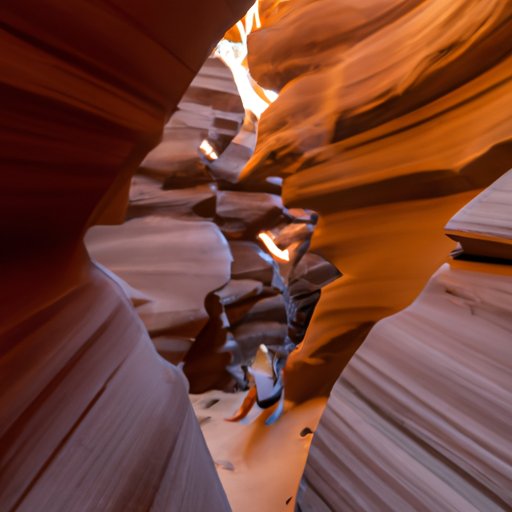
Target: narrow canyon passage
223,280
254,306
256,257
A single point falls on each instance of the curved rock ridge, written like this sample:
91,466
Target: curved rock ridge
324,26
105,97
91,417
169,253
171,263
399,124
419,419
420,54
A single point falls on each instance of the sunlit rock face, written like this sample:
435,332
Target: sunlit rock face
400,122
392,115
91,417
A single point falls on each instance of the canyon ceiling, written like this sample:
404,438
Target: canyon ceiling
309,222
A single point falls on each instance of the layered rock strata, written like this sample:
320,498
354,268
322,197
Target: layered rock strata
91,417
190,256
399,124
169,252
419,419
483,226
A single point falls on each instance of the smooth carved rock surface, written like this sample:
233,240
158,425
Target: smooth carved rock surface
422,412
105,88
210,109
245,213
403,120
386,253
169,255
172,260
174,263
420,419
91,417
323,25
416,58
399,124
147,197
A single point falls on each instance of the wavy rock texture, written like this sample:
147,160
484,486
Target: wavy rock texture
403,120
210,109
173,264
420,419
91,417
169,253
189,256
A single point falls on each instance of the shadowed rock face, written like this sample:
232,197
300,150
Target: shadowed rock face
91,414
105,96
91,417
395,128
422,411
168,252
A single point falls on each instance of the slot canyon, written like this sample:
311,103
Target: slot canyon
256,256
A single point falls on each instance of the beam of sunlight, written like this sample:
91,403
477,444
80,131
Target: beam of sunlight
208,150
234,56
272,247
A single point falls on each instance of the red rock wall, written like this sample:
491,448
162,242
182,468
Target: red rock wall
91,417
189,256
419,419
400,122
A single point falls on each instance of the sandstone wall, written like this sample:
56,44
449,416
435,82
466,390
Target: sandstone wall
91,417
419,419
400,122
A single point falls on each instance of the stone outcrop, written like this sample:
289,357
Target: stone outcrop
483,226
392,116
169,252
92,418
